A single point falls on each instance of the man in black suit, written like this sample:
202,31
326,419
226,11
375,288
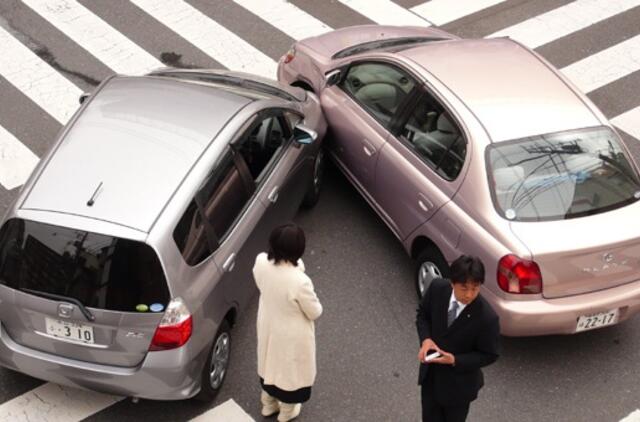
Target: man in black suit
454,320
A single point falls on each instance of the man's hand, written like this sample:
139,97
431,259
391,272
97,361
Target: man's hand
427,345
446,358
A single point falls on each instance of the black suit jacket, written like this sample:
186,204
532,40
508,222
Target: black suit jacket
473,339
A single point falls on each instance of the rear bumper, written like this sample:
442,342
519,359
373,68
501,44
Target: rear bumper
559,316
165,375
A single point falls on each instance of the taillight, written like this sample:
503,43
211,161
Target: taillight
520,276
291,54
175,327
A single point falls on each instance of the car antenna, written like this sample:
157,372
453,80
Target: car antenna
92,200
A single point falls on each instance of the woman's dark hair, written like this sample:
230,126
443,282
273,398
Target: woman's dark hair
466,268
286,243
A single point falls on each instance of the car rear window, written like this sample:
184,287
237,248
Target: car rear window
100,271
561,175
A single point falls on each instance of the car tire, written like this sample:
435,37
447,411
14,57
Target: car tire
212,377
429,266
315,186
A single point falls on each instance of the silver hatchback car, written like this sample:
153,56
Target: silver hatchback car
126,257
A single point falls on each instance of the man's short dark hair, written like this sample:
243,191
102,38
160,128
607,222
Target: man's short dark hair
286,243
467,268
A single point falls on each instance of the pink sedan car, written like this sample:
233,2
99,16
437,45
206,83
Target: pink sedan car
482,147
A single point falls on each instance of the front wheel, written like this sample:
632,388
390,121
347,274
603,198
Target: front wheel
313,193
215,369
429,266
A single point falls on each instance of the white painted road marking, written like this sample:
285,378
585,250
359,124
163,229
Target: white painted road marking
287,17
606,66
55,403
633,417
629,122
36,79
386,12
564,20
95,35
440,12
16,161
209,36
228,411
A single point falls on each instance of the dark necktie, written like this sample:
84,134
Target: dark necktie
451,315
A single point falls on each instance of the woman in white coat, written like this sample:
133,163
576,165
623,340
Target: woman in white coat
286,334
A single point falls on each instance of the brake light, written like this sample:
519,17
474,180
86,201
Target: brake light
520,276
175,327
291,54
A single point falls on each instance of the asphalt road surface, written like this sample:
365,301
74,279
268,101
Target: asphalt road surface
367,344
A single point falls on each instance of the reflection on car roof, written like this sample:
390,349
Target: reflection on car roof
139,137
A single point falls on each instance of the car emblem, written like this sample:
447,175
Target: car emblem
608,257
65,310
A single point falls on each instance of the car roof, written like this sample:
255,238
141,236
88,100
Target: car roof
130,149
510,90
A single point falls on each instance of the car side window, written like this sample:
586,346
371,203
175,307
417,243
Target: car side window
220,201
435,137
262,144
214,209
379,87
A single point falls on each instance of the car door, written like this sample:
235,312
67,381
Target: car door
418,168
272,168
360,109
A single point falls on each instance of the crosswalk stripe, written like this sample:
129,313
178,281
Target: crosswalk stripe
36,79
287,17
55,403
16,160
228,411
209,36
386,12
632,417
606,66
440,12
629,121
564,20
95,35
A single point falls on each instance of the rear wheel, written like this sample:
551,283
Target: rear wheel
313,193
215,369
429,266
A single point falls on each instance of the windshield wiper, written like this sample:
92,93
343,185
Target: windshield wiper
87,314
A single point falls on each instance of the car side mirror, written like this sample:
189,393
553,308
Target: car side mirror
83,97
333,77
303,135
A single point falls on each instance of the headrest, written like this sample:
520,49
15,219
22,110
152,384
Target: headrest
445,125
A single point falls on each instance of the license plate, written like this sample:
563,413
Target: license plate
589,322
70,330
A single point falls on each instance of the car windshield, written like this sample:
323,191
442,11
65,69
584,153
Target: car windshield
100,271
561,175
380,44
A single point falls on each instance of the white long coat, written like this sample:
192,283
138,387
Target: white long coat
286,334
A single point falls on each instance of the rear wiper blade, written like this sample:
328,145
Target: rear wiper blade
87,314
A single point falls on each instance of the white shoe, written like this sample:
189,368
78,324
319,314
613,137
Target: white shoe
270,405
289,411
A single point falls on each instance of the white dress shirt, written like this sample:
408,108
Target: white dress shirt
461,305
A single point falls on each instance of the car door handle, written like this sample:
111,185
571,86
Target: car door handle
229,263
273,196
368,149
424,203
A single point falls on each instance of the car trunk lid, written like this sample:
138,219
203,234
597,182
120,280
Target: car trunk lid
584,254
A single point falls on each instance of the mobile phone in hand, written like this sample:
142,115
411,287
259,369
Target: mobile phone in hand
431,355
